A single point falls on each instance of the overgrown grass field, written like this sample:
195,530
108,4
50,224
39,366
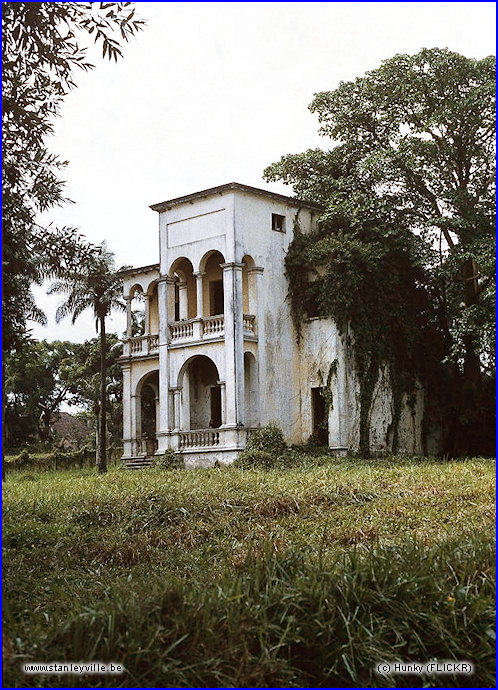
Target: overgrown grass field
227,577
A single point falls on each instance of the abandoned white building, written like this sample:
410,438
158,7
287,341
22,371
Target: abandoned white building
217,354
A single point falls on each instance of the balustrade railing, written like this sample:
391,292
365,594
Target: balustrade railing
249,323
153,343
144,344
213,325
207,327
200,438
136,345
179,330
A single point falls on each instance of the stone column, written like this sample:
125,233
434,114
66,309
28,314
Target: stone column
234,343
177,407
163,422
147,315
183,300
156,409
129,320
127,433
254,280
223,402
200,294
126,343
136,423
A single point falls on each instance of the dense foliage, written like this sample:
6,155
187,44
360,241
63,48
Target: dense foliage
41,51
41,376
404,255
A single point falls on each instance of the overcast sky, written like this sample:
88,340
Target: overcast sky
211,93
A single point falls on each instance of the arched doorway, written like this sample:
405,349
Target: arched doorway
185,302
213,295
147,413
201,394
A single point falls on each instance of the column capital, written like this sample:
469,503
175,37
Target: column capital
166,279
175,389
256,269
128,298
199,274
231,266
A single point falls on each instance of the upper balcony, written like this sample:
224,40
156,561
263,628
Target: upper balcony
194,303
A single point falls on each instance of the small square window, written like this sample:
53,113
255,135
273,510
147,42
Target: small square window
277,222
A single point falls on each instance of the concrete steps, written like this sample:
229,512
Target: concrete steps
137,463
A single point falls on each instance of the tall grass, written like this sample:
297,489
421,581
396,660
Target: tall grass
233,578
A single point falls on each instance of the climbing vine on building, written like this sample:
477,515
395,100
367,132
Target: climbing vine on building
371,282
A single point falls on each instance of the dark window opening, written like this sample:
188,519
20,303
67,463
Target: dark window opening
177,302
216,297
215,422
319,417
277,222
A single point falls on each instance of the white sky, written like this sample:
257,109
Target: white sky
211,93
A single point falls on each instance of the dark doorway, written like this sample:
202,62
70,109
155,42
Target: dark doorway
215,422
319,417
216,297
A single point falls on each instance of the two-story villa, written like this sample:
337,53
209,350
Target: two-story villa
218,354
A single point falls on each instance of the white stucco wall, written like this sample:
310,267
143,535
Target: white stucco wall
238,224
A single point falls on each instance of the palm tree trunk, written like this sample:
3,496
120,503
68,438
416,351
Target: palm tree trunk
101,448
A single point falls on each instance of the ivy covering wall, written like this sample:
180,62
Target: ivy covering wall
372,283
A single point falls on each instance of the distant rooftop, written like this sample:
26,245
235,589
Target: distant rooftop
166,205
142,269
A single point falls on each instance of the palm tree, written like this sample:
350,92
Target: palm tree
97,286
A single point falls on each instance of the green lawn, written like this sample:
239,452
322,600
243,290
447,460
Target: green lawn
227,577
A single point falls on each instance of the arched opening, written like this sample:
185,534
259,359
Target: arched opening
147,399
137,311
213,296
251,390
185,304
153,312
201,395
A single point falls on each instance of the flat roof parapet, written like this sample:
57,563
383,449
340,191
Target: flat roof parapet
212,191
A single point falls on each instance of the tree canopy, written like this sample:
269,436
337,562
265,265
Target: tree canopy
41,51
41,376
408,229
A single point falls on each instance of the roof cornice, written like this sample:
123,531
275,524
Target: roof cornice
233,186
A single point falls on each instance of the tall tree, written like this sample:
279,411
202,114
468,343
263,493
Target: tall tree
41,50
96,286
414,150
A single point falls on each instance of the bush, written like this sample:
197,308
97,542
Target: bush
269,439
256,458
265,448
170,460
